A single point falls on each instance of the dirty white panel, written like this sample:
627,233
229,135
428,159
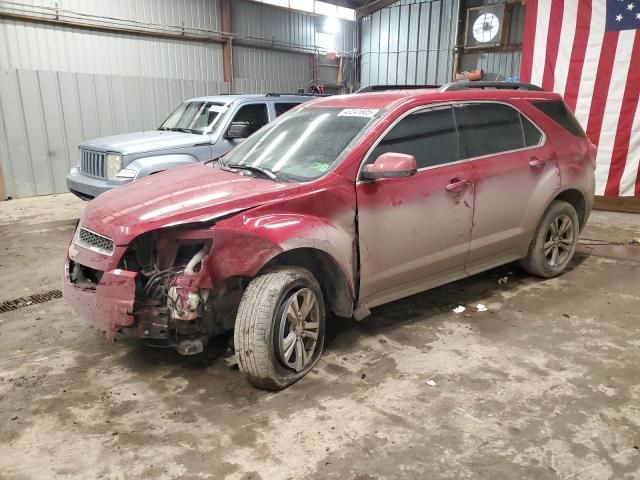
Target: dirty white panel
17,166
273,71
58,154
35,131
71,118
28,45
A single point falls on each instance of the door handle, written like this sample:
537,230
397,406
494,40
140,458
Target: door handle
457,185
536,162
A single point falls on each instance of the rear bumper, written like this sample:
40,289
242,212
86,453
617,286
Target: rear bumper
88,188
109,306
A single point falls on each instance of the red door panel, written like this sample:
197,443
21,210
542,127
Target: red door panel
414,232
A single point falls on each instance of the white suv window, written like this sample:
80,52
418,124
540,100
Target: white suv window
255,115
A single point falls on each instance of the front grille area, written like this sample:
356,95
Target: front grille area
92,163
95,241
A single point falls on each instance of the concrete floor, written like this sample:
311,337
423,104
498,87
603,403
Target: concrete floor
545,385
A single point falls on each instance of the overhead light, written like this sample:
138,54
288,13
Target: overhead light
331,25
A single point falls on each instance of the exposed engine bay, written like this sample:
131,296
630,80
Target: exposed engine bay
176,304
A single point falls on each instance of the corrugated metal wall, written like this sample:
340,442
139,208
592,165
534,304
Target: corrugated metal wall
61,85
261,70
45,114
505,63
261,20
410,42
35,46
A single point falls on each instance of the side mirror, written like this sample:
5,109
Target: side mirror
238,130
391,165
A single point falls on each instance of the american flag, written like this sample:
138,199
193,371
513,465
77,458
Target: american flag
589,52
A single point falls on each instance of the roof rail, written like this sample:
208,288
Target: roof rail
273,94
455,86
382,88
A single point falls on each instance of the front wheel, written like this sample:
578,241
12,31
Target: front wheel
554,242
279,331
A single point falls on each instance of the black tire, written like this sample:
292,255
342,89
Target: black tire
540,258
262,319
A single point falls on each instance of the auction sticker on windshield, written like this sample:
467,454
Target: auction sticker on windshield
358,112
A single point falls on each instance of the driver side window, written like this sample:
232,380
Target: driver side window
429,135
255,116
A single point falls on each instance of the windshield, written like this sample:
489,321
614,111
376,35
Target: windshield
302,145
195,117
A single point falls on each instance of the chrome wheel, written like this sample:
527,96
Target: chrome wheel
298,329
559,240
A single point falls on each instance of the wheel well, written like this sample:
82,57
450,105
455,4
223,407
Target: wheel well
332,281
576,199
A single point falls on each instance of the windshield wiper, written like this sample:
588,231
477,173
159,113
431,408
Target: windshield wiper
176,129
250,168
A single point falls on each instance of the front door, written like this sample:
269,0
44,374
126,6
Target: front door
255,115
414,232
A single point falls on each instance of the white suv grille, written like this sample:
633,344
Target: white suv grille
92,163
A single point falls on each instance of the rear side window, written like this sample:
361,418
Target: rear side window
284,107
559,113
429,135
488,128
532,136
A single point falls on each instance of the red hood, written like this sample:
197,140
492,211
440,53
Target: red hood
189,194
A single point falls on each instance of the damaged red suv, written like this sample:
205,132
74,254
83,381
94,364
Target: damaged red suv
343,204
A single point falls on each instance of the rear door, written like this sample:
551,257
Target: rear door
514,173
414,231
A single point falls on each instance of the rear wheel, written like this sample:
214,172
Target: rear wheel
554,242
279,332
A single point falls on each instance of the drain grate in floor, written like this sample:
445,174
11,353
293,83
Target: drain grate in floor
21,302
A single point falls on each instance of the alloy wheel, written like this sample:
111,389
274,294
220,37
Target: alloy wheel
558,240
298,329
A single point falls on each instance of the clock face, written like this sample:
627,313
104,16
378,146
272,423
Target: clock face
486,27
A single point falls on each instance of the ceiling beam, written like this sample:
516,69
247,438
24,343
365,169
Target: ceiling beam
343,3
373,7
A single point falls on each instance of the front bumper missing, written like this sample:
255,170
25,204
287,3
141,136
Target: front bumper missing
108,307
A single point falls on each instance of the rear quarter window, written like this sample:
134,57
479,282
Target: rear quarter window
532,135
559,113
284,107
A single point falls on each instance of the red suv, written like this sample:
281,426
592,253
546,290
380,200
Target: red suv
341,205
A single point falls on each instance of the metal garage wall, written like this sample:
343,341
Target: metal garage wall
506,63
36,46
44,115
297,28
409,42
259,70
62,85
